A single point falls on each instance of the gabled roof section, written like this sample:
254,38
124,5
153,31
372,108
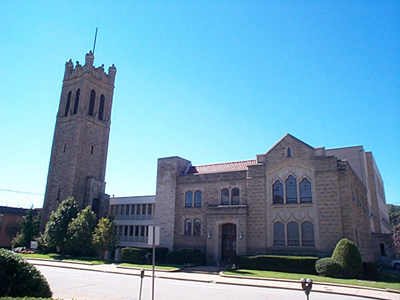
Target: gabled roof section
288,136
221,167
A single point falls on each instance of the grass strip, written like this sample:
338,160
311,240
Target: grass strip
316,278
149,267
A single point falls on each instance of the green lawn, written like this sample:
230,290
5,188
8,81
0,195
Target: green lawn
389,280
54,256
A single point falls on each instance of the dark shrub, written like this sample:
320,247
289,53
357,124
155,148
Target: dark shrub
370,271
18,278
162,255
329,267
133,255
292,264
193,257
347,255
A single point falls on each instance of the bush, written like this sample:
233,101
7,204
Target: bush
328,267
370,271
133,255
347,255
192,257
19,278
291,264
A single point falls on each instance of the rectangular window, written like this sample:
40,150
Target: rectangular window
126,230
382,247
143,209
122,212
119,230
127,209
149,209
138,209
130,230
116,210
142,230
112,210
136,230
132,209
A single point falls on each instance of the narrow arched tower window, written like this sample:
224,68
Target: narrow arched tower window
91,150
91,103
76,104
101,107
68,104
289,152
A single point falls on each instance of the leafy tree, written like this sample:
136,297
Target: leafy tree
29,230
396,237
104,236
55,234
347,255
394,214
80,231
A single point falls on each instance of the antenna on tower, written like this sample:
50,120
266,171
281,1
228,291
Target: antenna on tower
95,38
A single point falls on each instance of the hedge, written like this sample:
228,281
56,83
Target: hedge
138,255
18,278
347,255
291,264
370,270
192,257
328,267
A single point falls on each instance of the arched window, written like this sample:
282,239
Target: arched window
277,192
188,227
293,234
235,197
225,197
197,227
68,104
197,199
189,199
307,234
289,152
91,103
279,234
291,190
101,107
76,104
305,191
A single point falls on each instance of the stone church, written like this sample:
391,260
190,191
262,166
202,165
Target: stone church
79,152
294,199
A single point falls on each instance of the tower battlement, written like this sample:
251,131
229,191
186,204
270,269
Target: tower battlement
77,71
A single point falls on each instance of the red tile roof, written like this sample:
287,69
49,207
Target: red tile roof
222,167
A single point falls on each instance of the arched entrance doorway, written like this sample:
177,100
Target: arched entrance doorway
228,241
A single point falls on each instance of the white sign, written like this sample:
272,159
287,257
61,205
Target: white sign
34,245
156,231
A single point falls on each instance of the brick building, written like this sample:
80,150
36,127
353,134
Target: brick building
80,144
295,199
11,216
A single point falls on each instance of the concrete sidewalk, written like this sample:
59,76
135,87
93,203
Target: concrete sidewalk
211,275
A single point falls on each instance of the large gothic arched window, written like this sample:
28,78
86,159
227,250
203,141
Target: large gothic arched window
291,190
101,107
307,234
277,192
76,104
91,103
293,234
305,191
68,104
279,234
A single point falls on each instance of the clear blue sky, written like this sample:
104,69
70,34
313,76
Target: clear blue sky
210,81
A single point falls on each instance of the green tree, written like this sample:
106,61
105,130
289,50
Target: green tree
29,230
394,214
104,236
55,234
347,255
80,231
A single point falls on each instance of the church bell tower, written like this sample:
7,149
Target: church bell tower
79,151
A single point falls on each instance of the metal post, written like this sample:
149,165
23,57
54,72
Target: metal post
154,260
141,283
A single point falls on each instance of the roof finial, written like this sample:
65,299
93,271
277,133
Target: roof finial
95,38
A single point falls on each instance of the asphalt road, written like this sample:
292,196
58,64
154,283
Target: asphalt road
80,284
